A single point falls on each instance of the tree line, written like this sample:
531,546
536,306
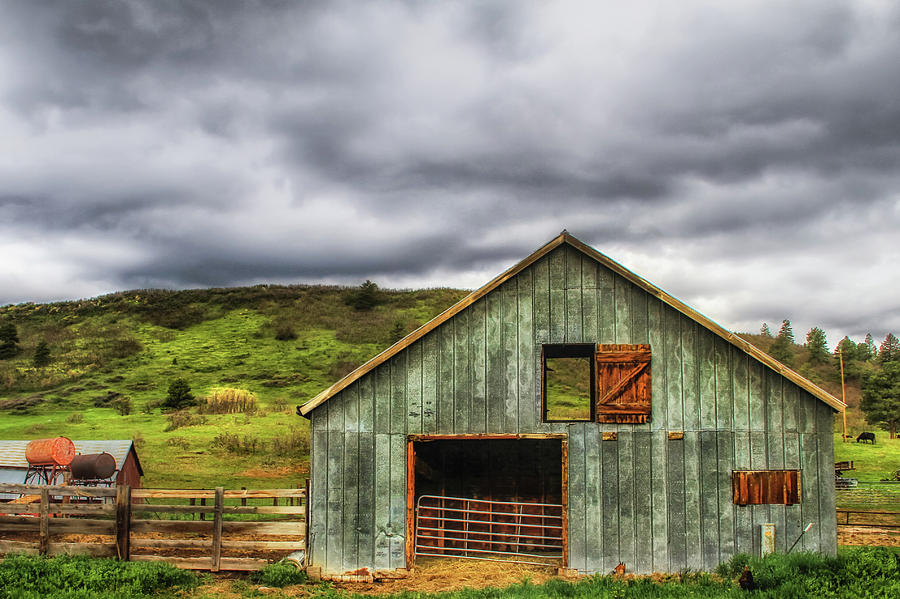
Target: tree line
877,368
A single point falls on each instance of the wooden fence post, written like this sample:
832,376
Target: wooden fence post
123,522
243,499
203,502
45,521
306,519
217,529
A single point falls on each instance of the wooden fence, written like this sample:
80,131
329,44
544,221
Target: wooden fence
869,518
225,530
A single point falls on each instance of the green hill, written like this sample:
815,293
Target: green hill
112,359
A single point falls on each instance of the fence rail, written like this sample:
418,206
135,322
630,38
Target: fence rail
168,525
869,518
869,495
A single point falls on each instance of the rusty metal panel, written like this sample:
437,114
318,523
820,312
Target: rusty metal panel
761,487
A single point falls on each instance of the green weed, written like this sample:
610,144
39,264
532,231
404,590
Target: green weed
281,574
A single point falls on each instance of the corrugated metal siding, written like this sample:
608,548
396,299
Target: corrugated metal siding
11,475
656,504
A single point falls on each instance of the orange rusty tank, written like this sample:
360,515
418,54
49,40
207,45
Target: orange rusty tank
50,452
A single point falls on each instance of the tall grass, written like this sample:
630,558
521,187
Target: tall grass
228,401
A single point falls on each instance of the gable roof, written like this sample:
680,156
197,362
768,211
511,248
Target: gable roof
566,238
12,453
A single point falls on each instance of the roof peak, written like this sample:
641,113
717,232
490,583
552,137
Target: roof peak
566,237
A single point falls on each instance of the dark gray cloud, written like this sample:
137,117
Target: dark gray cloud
742,156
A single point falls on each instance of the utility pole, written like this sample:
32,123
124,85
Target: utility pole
843,391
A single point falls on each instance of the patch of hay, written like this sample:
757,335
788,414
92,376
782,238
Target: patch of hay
433,575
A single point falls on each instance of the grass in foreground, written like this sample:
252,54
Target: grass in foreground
80,577
873,573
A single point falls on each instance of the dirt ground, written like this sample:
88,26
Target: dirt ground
860,535
435,575
429,576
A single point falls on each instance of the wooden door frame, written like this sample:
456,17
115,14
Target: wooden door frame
411,480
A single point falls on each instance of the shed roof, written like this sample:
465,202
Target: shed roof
566,238
12,453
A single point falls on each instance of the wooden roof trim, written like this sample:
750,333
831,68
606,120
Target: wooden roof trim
432,324
647,286
711,325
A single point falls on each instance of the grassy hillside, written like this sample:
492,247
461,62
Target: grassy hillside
282,344
125,349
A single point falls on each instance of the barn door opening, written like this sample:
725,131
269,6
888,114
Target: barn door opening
498,499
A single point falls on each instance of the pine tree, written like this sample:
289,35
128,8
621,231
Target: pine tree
9,341
41,355
863,351
765,331
786,331
366,297
397,333
817,346
781,350
848,348
179,395
870,343
881,396
889,350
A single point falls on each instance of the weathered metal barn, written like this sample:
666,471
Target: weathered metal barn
571,412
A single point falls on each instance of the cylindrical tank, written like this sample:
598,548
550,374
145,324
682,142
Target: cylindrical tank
92,466
50,452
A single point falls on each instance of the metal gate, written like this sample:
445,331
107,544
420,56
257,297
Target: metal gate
514,531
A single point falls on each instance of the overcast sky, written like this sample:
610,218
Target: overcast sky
744,156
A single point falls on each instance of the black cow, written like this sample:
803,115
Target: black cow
866,437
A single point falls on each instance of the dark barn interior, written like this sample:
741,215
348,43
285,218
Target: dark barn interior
489,496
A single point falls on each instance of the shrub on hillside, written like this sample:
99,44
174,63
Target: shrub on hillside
179,395
279,404
236,444
122,405
284,330
294,444
175,314
75,418
365,297
41,355
183,418
180,442
9,341
228,401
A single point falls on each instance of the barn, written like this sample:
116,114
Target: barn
569,412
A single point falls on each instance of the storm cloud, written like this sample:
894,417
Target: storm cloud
743,155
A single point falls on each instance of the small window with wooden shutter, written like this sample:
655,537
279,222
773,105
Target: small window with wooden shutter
623,383
757,487
567,390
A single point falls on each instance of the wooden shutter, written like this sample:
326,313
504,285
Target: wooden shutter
757,487
623,383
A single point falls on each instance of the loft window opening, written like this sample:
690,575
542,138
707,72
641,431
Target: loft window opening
583,382
568,382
